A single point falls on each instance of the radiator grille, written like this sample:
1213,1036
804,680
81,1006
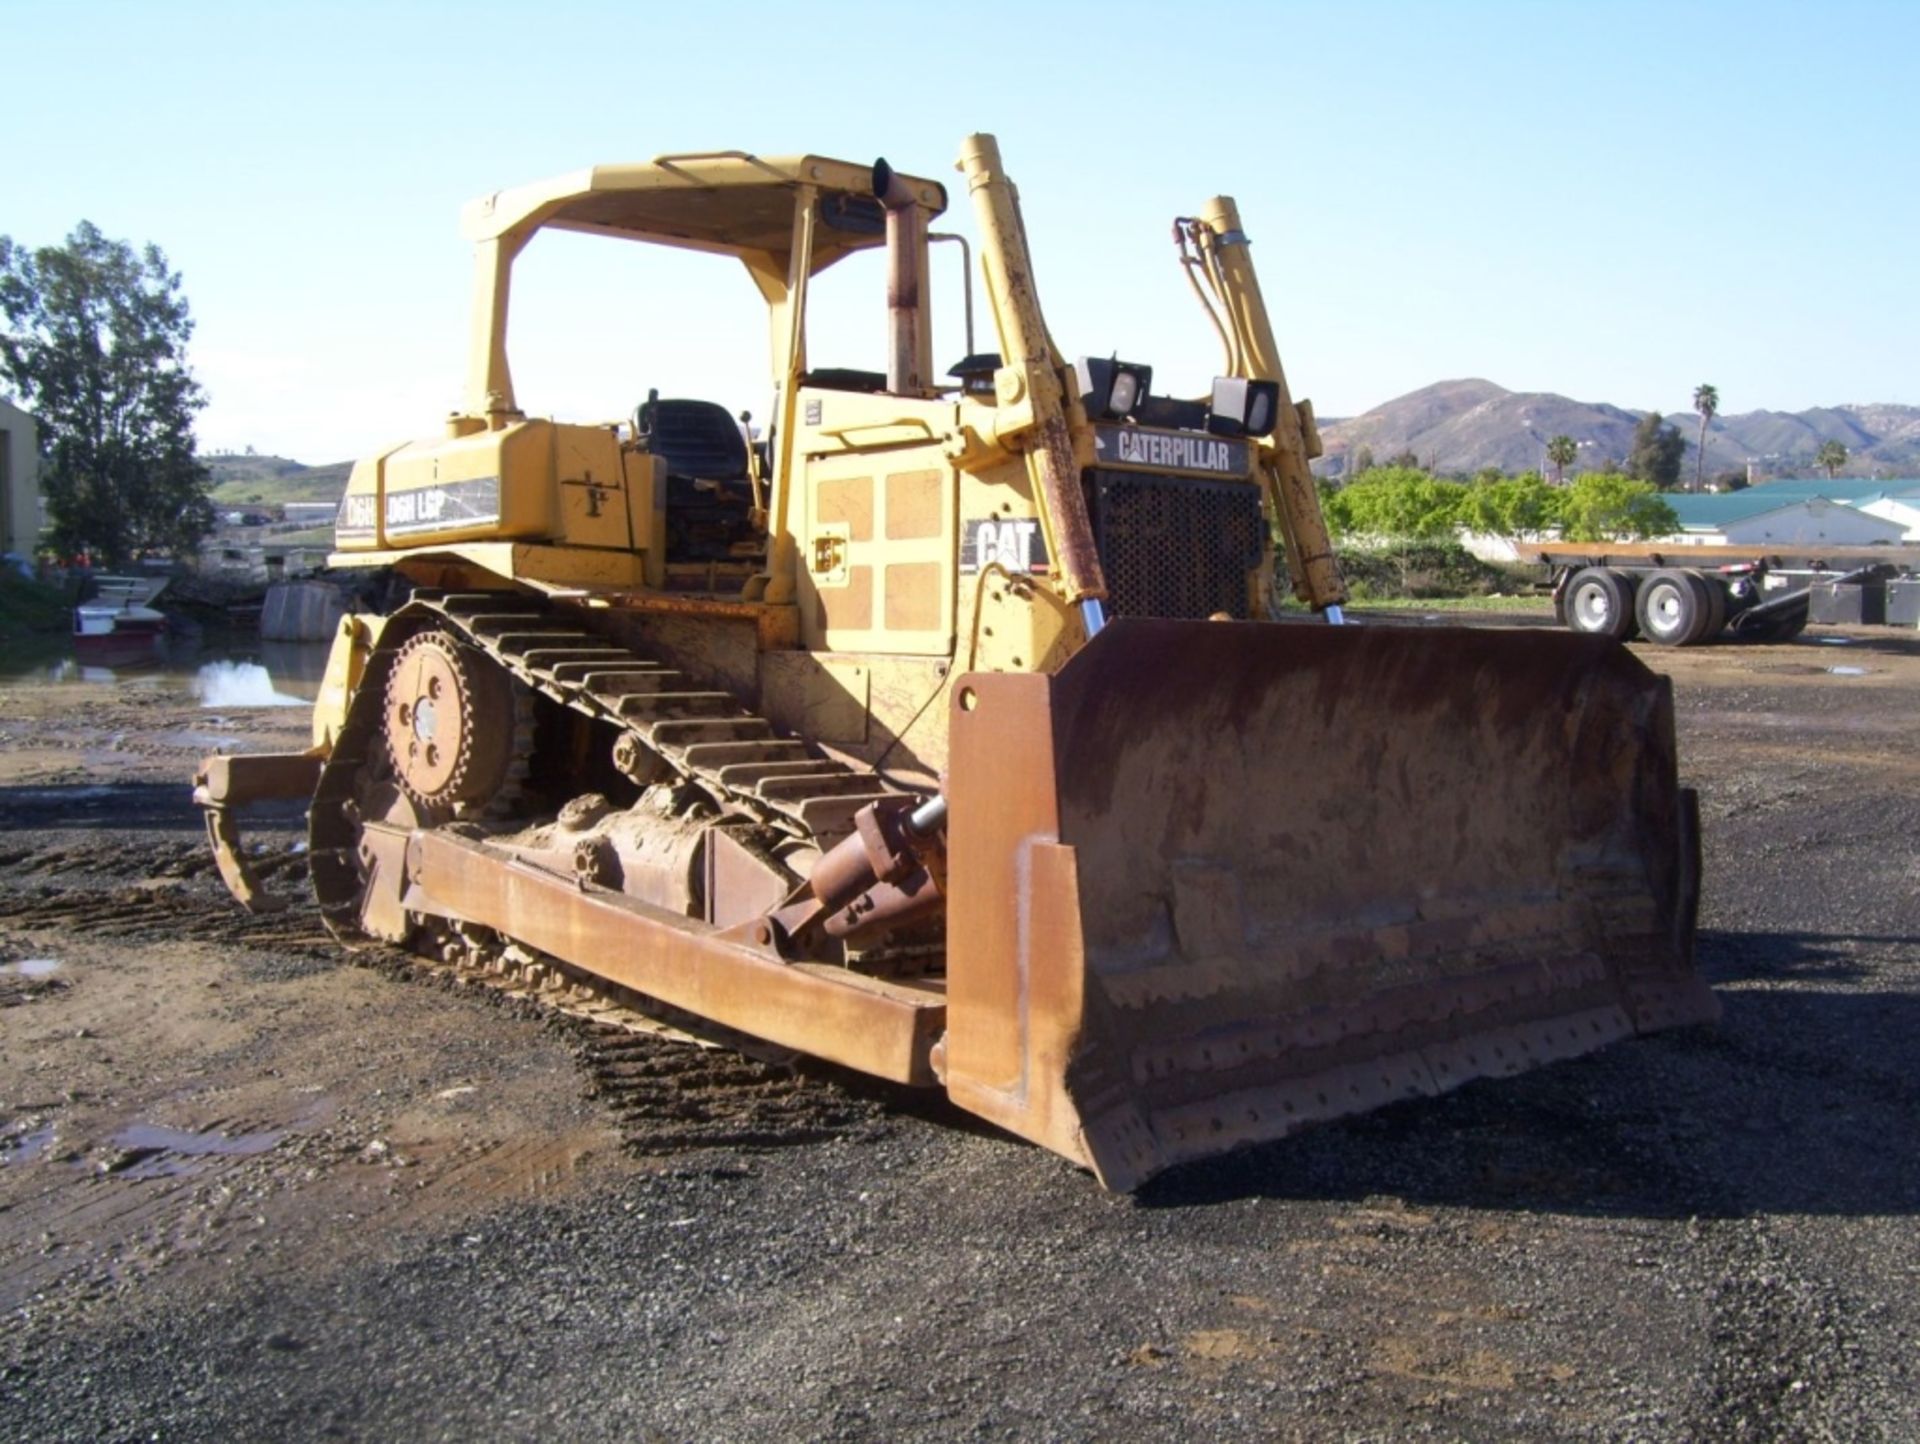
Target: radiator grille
1175,546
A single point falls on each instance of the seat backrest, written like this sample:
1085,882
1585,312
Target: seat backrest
696,438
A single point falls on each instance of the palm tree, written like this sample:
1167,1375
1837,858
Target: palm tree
1833,456
1706,400
1561,451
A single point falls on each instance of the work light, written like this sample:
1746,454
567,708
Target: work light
1111,388
1242,407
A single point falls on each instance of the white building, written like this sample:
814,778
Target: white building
1752,518
20,515
1902,507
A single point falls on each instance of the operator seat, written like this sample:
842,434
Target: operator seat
709,499
695,438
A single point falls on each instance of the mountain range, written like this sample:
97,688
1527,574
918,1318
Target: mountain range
1451,426
1466,426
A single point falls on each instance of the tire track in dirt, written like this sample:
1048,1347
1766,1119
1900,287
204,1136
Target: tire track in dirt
668,1094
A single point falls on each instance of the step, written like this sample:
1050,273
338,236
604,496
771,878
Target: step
610,687
659,706
741,776
817,784
517,644
712,756
493,624
599,676
694,731
465,604
545,659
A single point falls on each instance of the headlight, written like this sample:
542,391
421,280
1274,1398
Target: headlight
1244,408
1111,388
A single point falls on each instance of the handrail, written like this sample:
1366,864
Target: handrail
840,432
668,161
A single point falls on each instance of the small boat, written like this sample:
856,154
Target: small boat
119,622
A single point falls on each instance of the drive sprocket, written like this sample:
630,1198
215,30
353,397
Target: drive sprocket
450,717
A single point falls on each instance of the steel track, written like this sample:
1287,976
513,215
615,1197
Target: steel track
697,735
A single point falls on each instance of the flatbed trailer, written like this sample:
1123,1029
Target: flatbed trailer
1684,596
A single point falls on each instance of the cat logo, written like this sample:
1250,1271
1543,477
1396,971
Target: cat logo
1012,543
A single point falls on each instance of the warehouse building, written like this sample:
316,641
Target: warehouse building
1762,516
1902,505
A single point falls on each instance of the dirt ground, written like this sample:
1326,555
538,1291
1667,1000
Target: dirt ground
252,1188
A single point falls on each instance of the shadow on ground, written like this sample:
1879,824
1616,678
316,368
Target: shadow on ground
1799,1102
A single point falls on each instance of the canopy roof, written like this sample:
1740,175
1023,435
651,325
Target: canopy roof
725,201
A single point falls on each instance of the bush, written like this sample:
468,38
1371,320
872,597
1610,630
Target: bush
1397,503
1423,570
1603,505
28,607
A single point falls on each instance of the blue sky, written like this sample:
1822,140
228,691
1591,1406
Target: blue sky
1615,201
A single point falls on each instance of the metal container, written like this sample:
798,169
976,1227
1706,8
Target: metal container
1848,604
1903,602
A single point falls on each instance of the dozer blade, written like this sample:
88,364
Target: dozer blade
1213,882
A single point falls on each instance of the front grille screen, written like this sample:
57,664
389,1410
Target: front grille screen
1175,546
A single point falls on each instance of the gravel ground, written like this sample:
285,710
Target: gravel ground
249,1188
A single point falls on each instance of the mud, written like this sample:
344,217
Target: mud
251,1186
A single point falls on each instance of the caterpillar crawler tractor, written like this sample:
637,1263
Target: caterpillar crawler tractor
944,732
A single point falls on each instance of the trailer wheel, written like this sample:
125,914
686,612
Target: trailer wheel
1714,597
1599,602
1672,607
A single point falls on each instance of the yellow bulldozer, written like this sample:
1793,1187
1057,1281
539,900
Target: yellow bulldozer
948,729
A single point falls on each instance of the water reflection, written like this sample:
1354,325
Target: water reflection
32,967
240,684
252,673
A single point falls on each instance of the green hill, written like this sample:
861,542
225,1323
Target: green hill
274,480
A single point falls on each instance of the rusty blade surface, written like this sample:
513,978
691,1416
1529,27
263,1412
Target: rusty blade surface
1282,874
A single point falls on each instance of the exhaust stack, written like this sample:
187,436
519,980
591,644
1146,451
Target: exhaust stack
909,339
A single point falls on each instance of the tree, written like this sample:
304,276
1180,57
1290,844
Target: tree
1602,505
1561,451
1513,506
1657,449
95,345
1833,456
1706,400
1362,461
1398,503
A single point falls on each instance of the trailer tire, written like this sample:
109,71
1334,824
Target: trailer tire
1715,597
1599,602
1672,607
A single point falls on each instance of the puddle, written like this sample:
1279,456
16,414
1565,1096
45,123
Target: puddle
240,684
1848,671
32,967
248,673
148,1151
25,1147
1835,641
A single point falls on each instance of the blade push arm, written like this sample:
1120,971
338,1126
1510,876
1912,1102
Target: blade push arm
1039,413
1228,261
